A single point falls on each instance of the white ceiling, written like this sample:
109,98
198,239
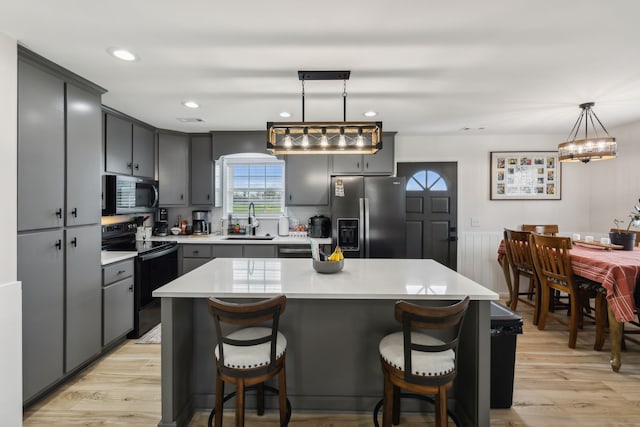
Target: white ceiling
427,67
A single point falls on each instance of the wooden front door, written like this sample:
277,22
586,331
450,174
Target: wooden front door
432,210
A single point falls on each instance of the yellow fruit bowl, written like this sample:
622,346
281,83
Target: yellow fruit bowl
328,267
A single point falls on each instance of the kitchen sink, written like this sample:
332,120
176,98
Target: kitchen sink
248,237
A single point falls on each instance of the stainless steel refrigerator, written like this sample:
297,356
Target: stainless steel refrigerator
368,216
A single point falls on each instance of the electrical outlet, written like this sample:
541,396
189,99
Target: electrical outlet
475,221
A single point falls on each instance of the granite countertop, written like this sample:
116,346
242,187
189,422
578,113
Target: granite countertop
295,277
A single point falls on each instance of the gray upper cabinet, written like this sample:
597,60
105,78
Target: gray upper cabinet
118,134
129,147
307,180
40,148
143,152
173,162
231,142
41,270
83,302
380,163
201,170
84,125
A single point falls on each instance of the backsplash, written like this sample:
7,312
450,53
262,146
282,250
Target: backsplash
297,215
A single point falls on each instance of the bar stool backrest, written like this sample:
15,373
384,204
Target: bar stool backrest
252,314
446,320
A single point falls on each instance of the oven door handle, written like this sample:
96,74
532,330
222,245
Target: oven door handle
158,254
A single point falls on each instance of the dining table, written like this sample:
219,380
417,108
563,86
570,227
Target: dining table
618,271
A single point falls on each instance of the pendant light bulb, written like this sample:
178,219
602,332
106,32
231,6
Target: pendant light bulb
287,138
305,138
342,142
323,139
360,138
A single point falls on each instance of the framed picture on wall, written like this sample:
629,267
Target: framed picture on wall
525,175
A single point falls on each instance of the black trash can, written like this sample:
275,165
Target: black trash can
505,326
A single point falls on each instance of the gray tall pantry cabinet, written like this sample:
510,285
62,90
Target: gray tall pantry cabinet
59,137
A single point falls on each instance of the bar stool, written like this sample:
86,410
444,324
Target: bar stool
419,362
249,356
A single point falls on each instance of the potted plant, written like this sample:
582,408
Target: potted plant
626,238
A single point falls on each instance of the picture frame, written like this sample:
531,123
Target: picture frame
525,175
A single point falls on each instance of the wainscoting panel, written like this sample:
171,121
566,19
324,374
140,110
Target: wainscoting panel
477,259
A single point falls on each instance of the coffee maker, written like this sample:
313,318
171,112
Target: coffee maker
161,225
200,222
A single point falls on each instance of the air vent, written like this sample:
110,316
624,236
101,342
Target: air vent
190,120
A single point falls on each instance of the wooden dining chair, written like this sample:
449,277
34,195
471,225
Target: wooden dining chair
422,357
547,229
551,259
251,355
521,265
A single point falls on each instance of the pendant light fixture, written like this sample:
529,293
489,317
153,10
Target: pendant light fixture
594,147
324,137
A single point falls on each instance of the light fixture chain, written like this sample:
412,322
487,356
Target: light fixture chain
344,102
599,122
302,101
576,127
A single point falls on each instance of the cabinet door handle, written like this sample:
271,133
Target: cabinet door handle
366,165
74,242
121,271
131,288
357,165
182,197
74,212
290,197
59,213
137,166
208,196
58,244
129,165
196,252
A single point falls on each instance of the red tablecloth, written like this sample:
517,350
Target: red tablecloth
618,272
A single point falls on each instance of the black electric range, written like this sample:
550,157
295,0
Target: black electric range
155,265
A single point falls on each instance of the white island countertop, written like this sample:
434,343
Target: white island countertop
296,278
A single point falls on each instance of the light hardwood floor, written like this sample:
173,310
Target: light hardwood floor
554,386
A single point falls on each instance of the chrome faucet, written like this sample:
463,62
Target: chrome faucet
253,222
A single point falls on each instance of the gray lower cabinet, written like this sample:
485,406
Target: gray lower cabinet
201,162
172,169
195,255
117,300
381,163
83,295
307,180
260,251
40,148
41,270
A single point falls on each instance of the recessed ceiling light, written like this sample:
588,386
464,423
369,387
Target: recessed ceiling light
285,114
190,104
370,114
123,54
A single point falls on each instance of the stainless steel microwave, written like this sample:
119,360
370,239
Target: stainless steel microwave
127,195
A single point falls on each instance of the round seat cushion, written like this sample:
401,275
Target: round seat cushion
253,356
422,363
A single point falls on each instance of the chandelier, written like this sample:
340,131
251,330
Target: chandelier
596,147
324,137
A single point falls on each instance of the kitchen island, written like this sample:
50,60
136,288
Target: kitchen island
333,325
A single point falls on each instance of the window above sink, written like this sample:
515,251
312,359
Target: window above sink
247,178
